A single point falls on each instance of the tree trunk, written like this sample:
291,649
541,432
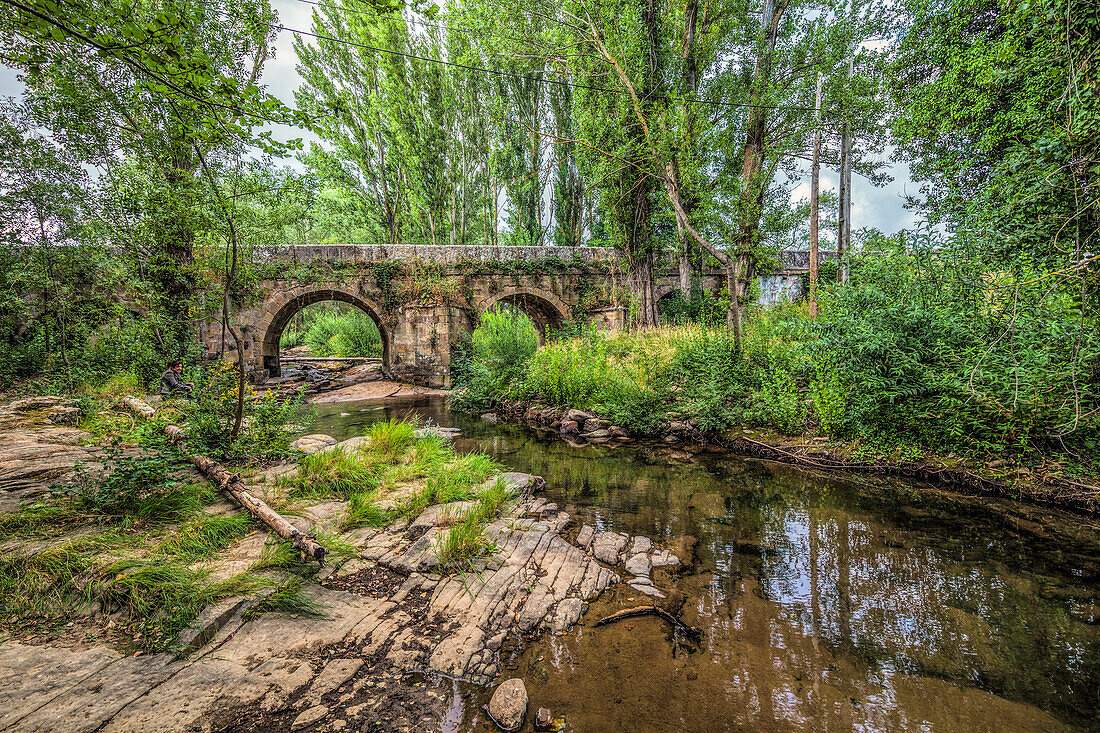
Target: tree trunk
815,193
844,217
752,187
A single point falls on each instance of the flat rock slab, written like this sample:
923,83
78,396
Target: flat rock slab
638,565
649,590
267,669
584,537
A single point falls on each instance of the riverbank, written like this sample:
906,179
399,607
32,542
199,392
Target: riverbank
1039,483
433,564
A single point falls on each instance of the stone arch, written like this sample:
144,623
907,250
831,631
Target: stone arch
283,309
544,308
663,291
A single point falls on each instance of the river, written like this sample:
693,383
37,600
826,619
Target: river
826,601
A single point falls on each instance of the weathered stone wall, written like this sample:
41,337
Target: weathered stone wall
417,337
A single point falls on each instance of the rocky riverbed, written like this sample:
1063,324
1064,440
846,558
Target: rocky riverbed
391,616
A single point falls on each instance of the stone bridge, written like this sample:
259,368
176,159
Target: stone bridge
424,299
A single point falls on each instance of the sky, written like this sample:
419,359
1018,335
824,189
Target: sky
881,208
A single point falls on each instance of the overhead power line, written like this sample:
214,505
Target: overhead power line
524,77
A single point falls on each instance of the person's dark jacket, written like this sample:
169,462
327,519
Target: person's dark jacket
170,383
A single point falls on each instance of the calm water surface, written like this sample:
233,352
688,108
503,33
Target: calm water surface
826,602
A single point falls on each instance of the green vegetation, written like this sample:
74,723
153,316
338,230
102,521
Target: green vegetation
394,473
918,349
333,332
154,576
267,425
494,357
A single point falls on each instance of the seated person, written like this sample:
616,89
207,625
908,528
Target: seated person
170,382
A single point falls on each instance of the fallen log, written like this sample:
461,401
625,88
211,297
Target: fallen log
689,631
232,484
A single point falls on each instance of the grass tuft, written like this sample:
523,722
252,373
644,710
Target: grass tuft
363,510
390,439
203,538
288,599
334,474
457,547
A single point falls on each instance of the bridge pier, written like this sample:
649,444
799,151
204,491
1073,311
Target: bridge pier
423,338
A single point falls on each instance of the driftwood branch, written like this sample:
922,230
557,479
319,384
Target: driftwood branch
689,631
232,484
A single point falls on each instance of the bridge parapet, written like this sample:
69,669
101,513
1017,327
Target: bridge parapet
798,260
790,261
446,254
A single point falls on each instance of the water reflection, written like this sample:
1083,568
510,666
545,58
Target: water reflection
826,603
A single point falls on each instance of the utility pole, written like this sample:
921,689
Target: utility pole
815,186
844,218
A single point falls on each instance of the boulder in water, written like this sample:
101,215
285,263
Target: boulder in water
607,546
508,706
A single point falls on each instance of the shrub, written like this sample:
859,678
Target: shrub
784,402
140,489
267,424
343,333
830,398
699,307
707,372
495,360
129,348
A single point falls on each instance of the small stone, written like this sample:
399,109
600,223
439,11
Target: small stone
596,434
569,427
584,537
508,706
640,544
543,719
662,558
309,717
649,590
593,424
490,417
640,580
578,416
617,432
638,564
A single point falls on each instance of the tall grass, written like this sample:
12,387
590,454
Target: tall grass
159,591
458,546
388,440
